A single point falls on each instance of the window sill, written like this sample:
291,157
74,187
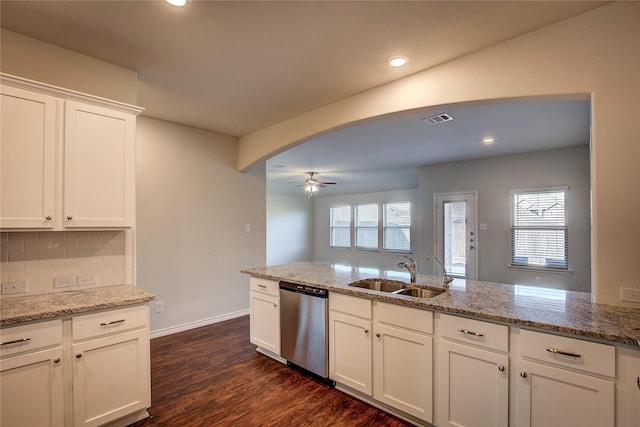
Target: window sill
539,269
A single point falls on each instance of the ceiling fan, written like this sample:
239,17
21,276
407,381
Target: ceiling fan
311,185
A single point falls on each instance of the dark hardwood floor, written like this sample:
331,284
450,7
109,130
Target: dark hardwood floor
213,376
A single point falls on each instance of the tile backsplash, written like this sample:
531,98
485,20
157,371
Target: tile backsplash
80,256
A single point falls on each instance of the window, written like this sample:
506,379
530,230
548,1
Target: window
397,226
340,227
539,231
366,227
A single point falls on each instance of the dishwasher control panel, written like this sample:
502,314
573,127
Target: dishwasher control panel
304,289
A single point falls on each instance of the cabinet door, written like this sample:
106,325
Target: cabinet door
31,389
628,387
473,386
99,167
111,377
551,396
403,373
27,159
265,322
350,351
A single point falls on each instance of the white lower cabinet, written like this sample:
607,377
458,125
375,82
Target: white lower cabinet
31,378
403,359
564,382
628,387
473,366
350,361
98,368
264,317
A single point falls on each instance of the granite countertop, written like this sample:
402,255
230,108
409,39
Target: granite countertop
32,308
557,311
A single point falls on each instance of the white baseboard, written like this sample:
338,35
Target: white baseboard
197,324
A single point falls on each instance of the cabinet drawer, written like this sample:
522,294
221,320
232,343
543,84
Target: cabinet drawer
108,322
355,306
568,352
475,332
270,287
19,339
404,317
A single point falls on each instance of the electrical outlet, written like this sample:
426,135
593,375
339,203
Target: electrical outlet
16,287
159,306
630,294
86,279
64,282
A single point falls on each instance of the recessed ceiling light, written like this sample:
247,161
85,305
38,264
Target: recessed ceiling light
488,140
178,3
397,61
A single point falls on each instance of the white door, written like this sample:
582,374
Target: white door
473,386
550,396
456,234
403,375
350,351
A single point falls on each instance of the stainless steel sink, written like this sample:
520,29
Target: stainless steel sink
420,292
383,285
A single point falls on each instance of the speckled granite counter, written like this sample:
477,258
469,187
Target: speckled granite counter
558,311
47,306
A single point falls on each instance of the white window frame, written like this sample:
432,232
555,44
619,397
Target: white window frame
356,228
385,227
349,227
559,227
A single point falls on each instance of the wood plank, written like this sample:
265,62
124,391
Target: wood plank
213,376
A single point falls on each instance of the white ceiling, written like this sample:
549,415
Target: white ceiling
235,67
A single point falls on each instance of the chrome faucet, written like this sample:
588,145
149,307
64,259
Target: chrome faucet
447,279
410,265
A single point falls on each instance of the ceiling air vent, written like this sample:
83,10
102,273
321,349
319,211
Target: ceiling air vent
440,118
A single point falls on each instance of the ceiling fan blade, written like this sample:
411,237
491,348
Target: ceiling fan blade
326,183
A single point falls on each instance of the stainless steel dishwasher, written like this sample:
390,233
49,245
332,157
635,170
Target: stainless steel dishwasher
304,332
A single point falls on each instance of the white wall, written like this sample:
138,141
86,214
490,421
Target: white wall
289,229
493,178
192,207
594,53
384,260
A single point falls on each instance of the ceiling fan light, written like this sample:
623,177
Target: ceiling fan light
311,188
177,3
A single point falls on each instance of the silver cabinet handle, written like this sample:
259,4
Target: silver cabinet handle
501,368
21,340
262,286
56,360
113,322
467,332
563,353
48,217
523,374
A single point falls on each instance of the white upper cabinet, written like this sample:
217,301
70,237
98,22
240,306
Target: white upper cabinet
27,158
68,159
99,168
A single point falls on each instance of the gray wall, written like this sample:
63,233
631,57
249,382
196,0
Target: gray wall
192,207
385,260
289,229
492,178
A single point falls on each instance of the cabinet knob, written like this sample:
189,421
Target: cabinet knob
523,374
56,360
48,217
638,381
378,335
501,368
78,356
366,331
69,217
275,305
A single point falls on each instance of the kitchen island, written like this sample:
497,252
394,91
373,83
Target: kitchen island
480,353
559,311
